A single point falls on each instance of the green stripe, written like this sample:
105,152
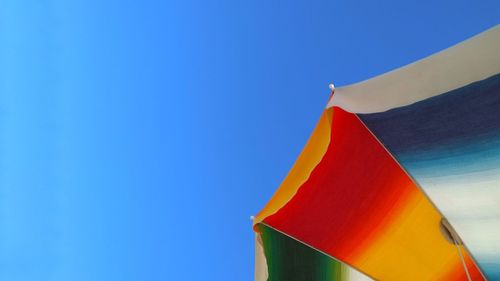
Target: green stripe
288,259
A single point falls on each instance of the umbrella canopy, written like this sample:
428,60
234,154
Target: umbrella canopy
400,179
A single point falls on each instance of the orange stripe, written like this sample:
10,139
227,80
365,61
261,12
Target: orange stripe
411,247
407,194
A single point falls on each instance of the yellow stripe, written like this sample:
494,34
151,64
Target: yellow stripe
412,247
310,156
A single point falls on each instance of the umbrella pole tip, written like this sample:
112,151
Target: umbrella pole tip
252,218
331,86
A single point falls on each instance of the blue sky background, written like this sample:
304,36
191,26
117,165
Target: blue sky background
137,137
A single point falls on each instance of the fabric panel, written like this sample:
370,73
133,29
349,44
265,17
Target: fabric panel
450,144
359,206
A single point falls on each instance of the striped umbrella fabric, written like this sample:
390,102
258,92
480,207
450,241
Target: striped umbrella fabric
400,179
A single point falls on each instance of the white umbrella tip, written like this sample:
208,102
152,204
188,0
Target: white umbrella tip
331,86
252,217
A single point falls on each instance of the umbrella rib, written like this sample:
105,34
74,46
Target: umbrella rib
462,258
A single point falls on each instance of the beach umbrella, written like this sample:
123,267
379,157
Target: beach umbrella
400,179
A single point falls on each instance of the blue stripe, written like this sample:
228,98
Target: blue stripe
461,116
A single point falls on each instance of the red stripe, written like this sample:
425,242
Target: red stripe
349,195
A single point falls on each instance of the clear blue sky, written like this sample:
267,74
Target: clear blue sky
137,137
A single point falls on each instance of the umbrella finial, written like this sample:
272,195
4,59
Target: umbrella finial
331,86
252,217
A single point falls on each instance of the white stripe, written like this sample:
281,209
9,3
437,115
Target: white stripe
472,60
471,203
260,260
